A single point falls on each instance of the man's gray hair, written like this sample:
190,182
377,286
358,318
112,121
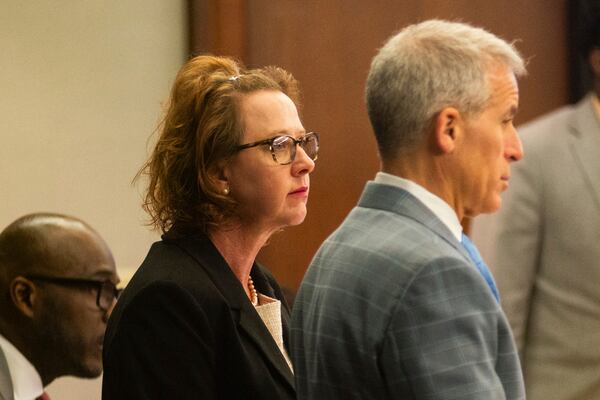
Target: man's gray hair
425,68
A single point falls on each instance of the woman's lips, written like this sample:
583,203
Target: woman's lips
302,191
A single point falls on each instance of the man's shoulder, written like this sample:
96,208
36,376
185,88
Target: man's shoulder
385,230
381,245
387,240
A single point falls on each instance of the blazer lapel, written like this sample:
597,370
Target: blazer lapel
399,201
257,330
6,389
209,258
584,144
263,285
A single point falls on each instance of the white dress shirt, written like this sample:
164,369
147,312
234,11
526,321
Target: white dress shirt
26,381
438,207
596,103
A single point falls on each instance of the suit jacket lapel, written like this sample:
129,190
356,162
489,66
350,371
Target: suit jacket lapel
209,258
6,389
584,144
399,201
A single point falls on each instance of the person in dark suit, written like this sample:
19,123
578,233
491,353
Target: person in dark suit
57,287
544,245
396,304
201,319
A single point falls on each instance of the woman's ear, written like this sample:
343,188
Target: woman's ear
446,130
23,294
219,174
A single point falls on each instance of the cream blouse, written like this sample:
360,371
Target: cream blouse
269,310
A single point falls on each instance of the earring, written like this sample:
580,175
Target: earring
226,191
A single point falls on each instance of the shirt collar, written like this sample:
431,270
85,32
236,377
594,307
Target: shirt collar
438,207
26,381
596,104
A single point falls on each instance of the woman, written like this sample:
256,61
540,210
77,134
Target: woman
200,319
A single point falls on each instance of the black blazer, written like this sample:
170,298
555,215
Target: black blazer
185,329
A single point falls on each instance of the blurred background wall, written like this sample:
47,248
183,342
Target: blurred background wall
82,84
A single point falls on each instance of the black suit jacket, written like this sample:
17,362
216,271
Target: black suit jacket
185,329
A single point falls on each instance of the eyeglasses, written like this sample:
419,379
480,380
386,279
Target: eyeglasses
107,291
283,147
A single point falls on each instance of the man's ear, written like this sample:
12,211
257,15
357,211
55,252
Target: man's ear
446,129
24,295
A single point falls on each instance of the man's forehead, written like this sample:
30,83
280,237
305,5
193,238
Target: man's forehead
504,88
78,251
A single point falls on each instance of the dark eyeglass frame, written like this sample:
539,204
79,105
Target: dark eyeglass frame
100,286
272,140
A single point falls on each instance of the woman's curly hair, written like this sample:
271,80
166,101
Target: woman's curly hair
200,130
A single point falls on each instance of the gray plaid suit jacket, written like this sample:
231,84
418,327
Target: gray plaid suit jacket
392,307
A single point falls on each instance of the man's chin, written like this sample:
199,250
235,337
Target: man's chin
495,206
489,208
492,205
90,370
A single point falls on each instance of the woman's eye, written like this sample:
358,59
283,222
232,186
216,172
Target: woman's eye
278,148
279,145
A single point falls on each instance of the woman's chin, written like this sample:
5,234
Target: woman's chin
297,219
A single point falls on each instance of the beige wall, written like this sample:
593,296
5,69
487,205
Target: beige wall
81,86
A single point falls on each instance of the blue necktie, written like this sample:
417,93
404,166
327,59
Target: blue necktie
480,264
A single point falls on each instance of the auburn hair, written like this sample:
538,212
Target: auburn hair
201,129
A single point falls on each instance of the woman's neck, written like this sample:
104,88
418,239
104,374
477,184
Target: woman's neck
239,247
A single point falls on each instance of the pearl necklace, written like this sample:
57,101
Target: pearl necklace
253,293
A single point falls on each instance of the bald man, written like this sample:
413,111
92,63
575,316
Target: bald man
57,287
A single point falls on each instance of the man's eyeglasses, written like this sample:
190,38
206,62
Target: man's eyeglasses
283,147
107,291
